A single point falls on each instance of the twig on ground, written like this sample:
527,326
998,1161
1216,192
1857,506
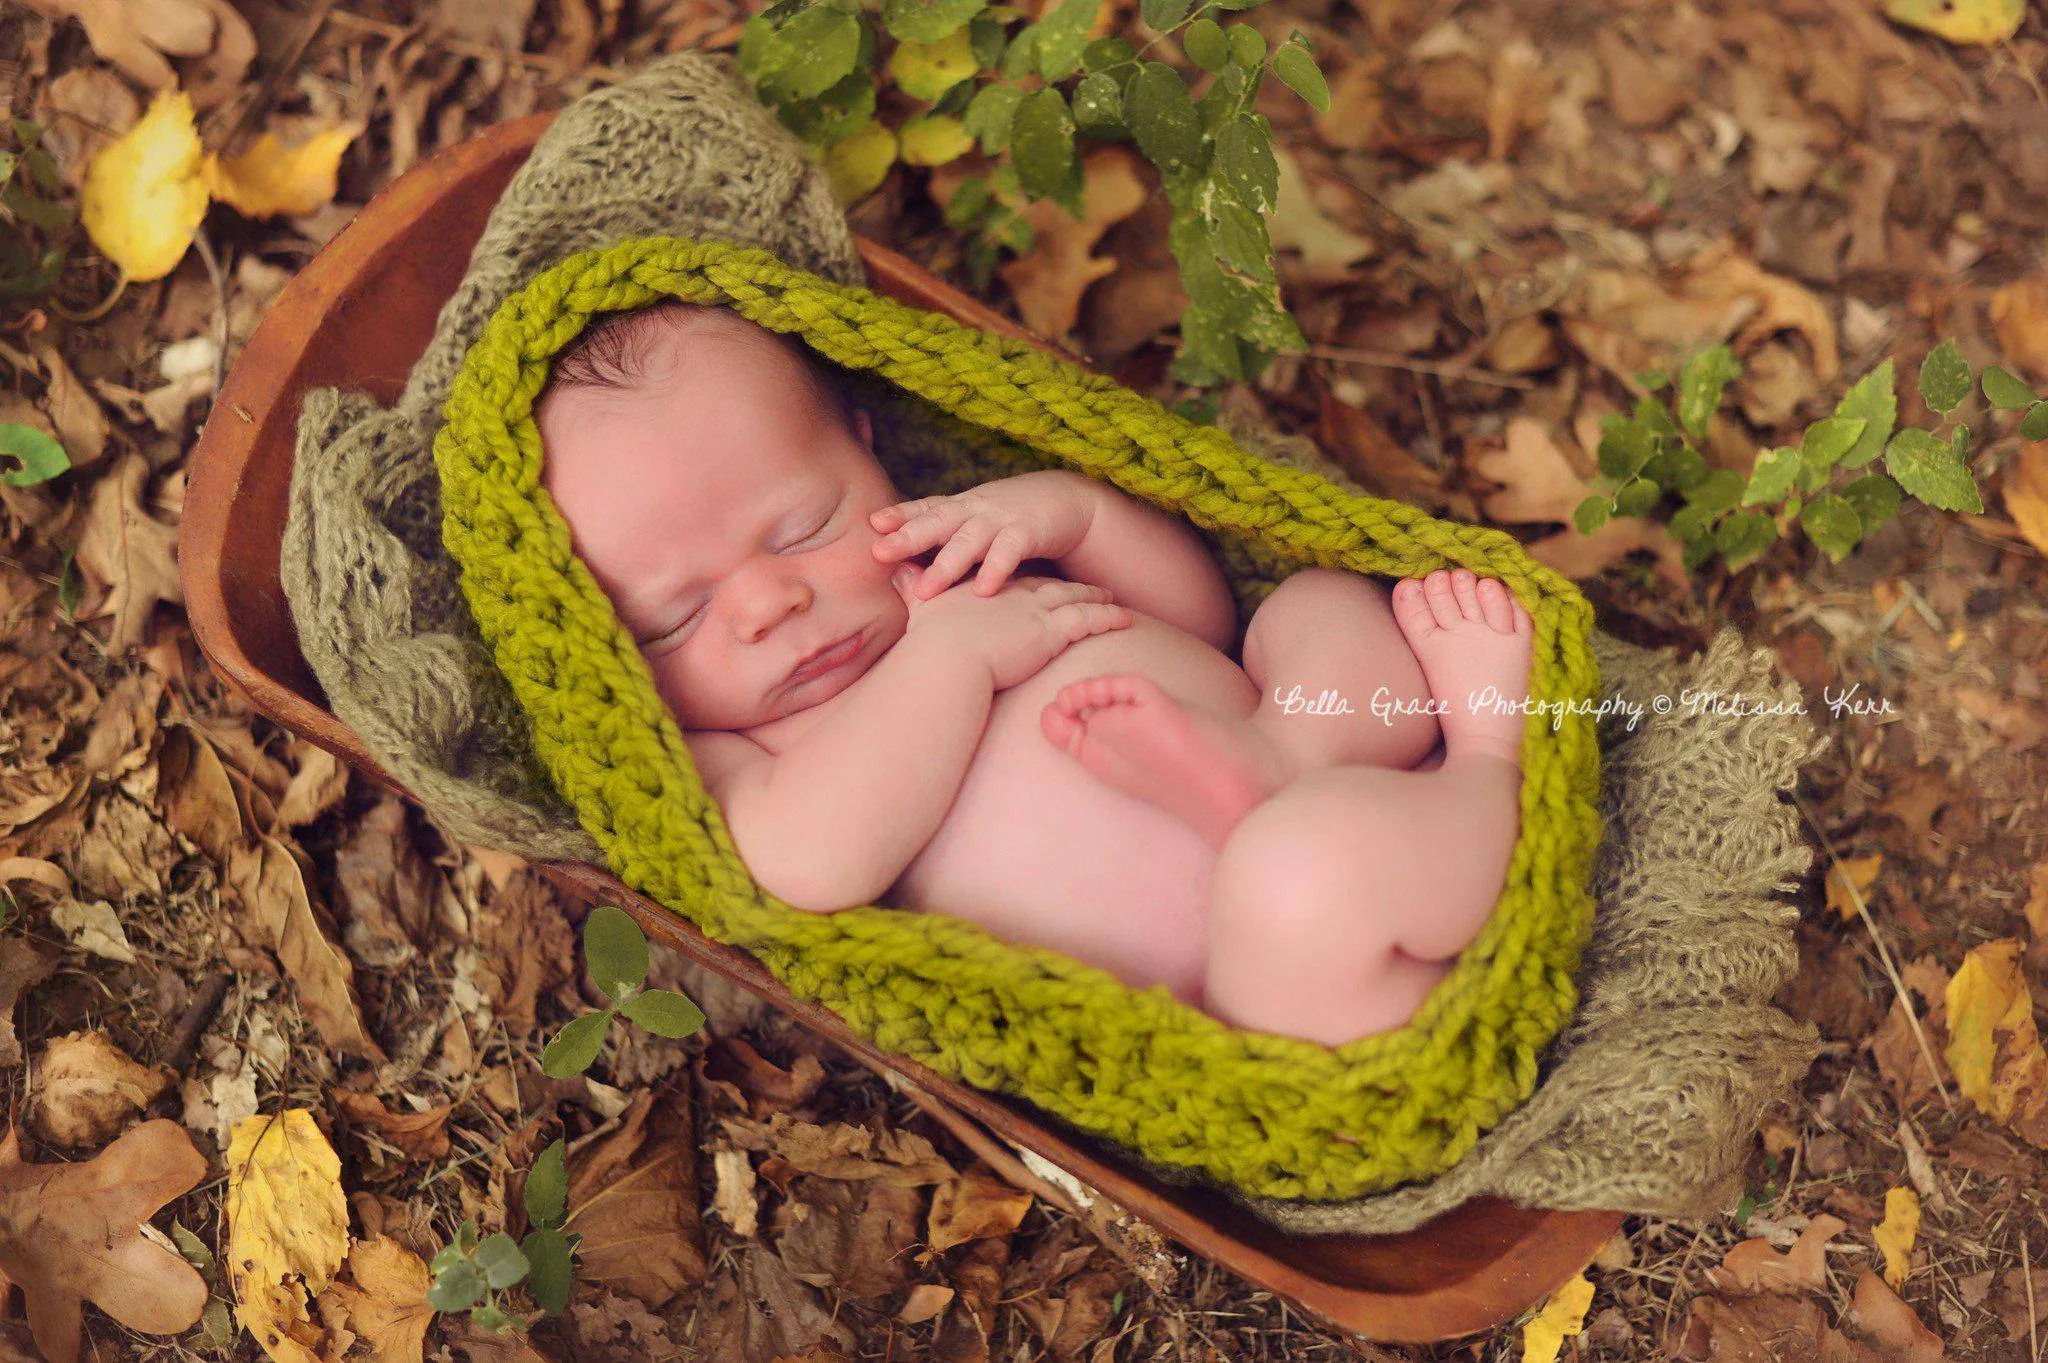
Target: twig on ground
1884,955
463,48
1381,359
275,76
974,1138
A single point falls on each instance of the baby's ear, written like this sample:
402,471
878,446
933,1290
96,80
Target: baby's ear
864,427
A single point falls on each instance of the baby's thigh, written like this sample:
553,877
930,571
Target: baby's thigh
1338,683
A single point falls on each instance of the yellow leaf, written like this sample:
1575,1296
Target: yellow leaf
271,178
1895,1235
934,139
1981,22
385,1307
1562,1316
1994,1049
287,1229
145,194
858,163
1850,881
928,70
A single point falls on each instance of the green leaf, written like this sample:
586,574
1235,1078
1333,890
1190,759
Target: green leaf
1686,468
1589,515
1944,378
1104,53
465,1235
811,53
1636,497
549,1272
547,1186
1098,104
990,39
499,1257
989,116
494,1318
1688,523
1932,471
1245,167
1241,240
575,1047
2034,425
1718,491
2006,391
927,21
457,1287
1162,118
1162,16
1832,523
967,203
39,457
1827,441
49,215
834,116
1042,148
1875,497
928,70
615,950
1875,401
194,1251
1058,39
1298,70
1743,538
1700,385
1697,552
1205,44
664,1013
1625,447
1223,100
1247,46
1772,476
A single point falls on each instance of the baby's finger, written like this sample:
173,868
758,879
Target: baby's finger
889,517
1011,547
964,550
1084,618
920,532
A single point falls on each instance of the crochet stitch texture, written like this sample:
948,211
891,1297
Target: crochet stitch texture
1271,1116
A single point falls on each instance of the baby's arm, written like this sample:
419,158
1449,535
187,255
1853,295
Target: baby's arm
834,820
1152,562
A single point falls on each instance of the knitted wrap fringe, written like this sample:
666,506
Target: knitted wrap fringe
1269,1116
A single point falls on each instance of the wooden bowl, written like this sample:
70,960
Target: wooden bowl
359,315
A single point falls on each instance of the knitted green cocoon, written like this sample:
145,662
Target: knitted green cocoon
1271,1115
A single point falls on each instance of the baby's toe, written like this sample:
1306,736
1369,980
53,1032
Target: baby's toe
1465,587
1443,600
1497,606
1411,609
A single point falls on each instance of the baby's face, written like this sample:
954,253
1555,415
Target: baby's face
728,521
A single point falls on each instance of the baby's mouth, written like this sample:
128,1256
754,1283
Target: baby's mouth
834,657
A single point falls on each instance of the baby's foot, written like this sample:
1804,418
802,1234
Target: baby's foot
1470,634
1206,770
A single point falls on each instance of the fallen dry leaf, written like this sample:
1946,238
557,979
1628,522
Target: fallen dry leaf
194,795
416,1135
1364,449
1896,1233
1538,484
972,1207
382,1302
384,890
22,968
732,1195
840,1150
317,786
139,35
80,422
1298,225
145,194
271,887
925,1301
1994,1048
72,1233
133,555
2026,492
757,1084
1754,1266
853,1239
636,1208
763,1313
2019,312
1893,1324
273,178
94,928
287,1229
1981,23
89,1089
1563,1315
1048,281
1849,882
2037,902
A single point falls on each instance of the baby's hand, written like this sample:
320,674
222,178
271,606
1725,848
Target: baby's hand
1019,630
1043,514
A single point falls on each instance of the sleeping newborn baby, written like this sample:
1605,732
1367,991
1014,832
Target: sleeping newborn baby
1057,747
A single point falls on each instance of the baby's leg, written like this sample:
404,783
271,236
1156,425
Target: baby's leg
1337,904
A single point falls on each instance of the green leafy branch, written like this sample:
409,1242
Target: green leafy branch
813,61
40,224
1652,455
615,950
470,1273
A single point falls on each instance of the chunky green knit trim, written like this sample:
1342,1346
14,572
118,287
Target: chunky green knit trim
1274,1116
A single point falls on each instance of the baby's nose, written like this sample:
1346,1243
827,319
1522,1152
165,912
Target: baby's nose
768,599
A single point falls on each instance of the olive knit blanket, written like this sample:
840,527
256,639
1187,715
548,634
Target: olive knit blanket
1645,1102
